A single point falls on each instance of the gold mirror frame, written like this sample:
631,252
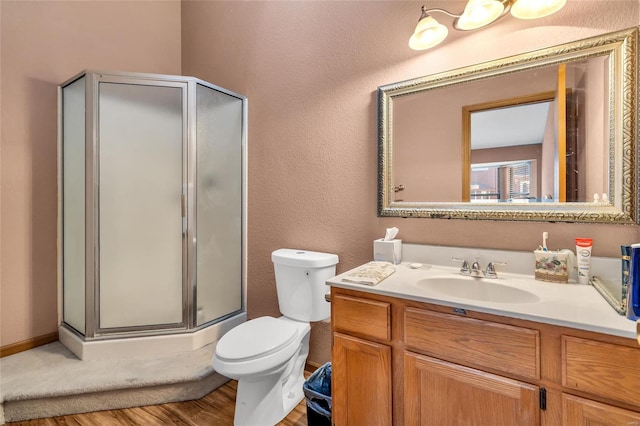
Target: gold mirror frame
622,49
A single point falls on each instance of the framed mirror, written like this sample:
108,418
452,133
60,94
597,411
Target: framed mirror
549,135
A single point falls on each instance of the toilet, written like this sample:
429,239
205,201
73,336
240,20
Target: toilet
267,355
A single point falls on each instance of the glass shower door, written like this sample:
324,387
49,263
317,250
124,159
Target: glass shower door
141,206
219,129
73,199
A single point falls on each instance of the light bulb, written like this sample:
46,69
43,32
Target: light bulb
428,33
479,13
533,9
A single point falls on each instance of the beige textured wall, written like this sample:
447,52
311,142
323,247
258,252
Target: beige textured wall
43,44
310,71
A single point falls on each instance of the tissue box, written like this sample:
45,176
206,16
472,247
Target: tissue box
552,266
387,251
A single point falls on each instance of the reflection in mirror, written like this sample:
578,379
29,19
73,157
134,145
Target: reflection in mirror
563,136
506,146
496,141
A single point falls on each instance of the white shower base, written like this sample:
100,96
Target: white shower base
148,345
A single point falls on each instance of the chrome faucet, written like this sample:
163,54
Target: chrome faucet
490,271
476,271
464,269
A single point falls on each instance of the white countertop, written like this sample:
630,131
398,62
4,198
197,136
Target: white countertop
569,305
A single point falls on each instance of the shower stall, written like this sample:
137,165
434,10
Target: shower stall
152,213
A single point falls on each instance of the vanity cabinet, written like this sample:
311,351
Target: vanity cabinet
364,370
402,362
361,361
443,393
448,393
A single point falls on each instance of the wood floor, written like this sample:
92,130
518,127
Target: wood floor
214,409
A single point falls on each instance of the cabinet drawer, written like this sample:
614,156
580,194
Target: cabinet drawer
504,348
361,317
604,369
580,411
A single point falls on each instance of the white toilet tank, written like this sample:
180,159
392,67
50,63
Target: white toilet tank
300,283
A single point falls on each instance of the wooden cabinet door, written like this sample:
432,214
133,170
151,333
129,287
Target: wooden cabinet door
361,382
439,393
583,412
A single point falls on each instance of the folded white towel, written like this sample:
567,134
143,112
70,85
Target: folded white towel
371,273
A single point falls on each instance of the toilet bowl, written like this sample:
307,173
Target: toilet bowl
270,373
267,355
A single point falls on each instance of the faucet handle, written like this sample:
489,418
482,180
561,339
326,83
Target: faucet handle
464,269
490,272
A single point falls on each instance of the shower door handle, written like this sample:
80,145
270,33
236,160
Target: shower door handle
183,212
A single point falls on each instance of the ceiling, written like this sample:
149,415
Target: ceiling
517,125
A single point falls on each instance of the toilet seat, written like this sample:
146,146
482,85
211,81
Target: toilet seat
257,338
258,346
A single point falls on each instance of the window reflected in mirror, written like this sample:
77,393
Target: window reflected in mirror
500,182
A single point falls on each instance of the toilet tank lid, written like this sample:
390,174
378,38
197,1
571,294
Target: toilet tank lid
303,258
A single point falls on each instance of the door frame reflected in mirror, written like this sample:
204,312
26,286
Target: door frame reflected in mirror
563,145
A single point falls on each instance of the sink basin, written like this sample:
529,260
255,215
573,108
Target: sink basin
481,289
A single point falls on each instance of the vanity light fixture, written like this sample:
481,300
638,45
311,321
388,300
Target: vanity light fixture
477,14
533,9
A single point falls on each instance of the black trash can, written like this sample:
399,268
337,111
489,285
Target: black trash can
317,390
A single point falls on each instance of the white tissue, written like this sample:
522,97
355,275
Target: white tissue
390,234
